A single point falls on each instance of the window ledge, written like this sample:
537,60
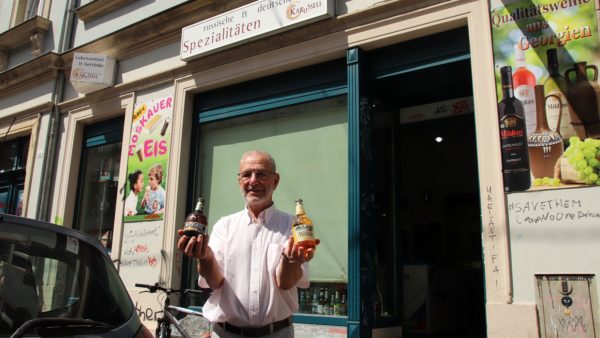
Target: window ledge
22,33
98,8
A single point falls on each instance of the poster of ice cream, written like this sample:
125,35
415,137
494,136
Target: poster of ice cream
148,153
546,58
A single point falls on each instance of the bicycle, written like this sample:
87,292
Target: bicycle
168,318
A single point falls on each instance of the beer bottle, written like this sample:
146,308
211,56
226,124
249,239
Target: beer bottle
302,301
195,222
302,229
326,304
343,308
315,303
337,304
321,302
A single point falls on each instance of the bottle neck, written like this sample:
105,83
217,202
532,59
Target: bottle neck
553,70
300,210
507,91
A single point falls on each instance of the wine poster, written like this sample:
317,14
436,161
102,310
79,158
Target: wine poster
546,58
147,160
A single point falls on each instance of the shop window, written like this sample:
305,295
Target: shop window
97,189
309,141
12,175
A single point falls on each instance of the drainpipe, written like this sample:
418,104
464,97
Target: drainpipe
52,138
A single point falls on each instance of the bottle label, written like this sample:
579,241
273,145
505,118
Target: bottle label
514,144
555,107
526,95
196,226
303,232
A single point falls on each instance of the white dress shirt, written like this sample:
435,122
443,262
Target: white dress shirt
131,204
248,254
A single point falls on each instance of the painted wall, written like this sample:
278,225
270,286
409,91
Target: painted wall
129,14
30,98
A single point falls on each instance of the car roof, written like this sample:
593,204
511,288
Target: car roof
47,226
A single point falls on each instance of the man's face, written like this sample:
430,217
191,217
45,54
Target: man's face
257,181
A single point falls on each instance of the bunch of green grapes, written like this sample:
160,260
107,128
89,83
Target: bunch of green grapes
583,156
550,181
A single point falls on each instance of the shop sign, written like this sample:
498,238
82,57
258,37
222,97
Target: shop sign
91,72
437,110
255,20
147,160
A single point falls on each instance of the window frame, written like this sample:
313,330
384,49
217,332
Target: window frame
328,84
98,134
20,11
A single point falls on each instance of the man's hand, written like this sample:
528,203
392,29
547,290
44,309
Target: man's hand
195,246
295,253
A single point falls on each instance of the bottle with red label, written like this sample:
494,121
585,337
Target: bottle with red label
513,137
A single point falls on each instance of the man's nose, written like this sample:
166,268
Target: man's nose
253,177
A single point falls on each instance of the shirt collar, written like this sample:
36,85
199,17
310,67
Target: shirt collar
264,217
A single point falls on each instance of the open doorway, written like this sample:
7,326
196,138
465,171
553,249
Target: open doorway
429,253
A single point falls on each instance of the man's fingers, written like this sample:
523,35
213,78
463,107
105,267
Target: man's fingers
190,248
181,244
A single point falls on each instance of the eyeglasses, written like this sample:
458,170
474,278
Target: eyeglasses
260,175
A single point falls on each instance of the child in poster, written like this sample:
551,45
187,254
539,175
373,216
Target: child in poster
136,183
154,199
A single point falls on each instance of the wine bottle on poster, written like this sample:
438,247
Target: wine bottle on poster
555,91
524,89
513,137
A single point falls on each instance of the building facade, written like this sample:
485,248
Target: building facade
383,116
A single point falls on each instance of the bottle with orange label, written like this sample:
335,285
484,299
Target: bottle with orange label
303,228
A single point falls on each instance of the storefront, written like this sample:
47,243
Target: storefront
334,118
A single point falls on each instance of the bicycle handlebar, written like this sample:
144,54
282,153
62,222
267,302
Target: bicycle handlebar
156,287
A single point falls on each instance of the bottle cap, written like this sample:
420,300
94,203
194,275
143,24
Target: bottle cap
200,203
506,76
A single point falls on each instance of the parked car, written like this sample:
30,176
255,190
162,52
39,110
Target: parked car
59,282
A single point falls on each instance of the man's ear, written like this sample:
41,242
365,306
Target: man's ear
276,180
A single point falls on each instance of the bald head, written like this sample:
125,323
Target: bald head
266,157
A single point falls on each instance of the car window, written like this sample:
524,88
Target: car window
47,274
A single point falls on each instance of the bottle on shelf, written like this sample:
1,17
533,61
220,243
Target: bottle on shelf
326,304
513,137
557,106
303,228
331,305
321,301
337,303
315,303
302,301
343,307
545,145
524,83
196,222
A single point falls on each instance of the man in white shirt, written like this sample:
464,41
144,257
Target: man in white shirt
251,261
